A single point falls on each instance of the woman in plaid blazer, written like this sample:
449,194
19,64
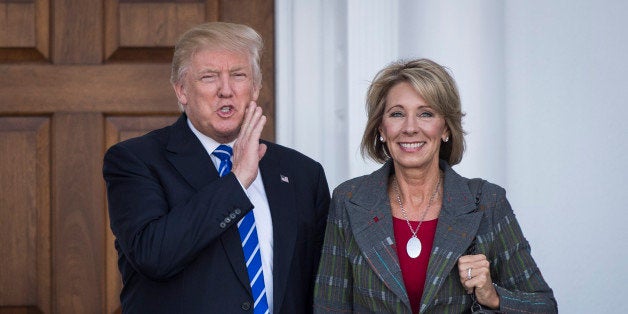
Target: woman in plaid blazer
411,237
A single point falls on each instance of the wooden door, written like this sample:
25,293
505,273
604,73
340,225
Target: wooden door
77,76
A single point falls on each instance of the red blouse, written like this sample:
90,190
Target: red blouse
414,270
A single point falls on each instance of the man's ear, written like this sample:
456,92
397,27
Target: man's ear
181,93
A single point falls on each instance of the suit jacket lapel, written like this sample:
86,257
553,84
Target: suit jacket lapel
457,226
283,210
371,222
189,157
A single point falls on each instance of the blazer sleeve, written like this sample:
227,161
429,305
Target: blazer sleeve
518,280
322,210
159,238
333,289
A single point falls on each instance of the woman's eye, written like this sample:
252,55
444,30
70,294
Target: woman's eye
396,114
426,114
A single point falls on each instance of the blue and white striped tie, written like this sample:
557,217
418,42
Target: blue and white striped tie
223,152
248,237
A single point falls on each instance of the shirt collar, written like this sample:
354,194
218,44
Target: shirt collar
208,143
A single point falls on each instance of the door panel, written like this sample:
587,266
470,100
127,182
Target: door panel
78,217
77,76
24,30
25,273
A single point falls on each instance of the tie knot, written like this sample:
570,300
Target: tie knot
223,152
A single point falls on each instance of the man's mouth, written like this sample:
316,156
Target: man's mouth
225,111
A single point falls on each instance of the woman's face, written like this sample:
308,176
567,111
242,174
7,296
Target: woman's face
412,130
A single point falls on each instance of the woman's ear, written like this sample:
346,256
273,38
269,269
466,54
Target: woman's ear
381,136
446,134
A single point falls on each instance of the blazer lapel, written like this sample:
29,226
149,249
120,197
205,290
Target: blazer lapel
281,200
371,222
189,157
457,226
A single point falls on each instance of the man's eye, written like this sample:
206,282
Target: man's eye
208,77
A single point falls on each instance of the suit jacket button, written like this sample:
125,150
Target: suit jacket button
246,306
237,211
223,225
232,216
227,220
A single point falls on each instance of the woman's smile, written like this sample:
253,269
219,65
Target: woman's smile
411,146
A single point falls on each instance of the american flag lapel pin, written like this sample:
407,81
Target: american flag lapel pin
284,178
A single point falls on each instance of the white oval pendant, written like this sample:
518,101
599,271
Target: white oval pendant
413,247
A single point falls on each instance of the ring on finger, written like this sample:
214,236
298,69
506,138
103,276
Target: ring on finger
469,273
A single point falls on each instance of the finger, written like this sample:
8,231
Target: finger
475,261
244,137
471,258
465,264
468,286
256,130
481,284
253,124
470,273
474,271
248,115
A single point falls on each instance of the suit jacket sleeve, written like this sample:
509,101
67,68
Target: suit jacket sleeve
322,209
517,278
160,224
334,284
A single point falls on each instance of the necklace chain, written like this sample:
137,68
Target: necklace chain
403,211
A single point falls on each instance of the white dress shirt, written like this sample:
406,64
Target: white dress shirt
261,211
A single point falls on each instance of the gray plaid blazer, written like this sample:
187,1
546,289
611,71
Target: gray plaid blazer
359,269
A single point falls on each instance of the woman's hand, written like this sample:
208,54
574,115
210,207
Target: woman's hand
247,151
475,274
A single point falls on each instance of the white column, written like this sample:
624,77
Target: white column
372,29
312,80
467,37
327,54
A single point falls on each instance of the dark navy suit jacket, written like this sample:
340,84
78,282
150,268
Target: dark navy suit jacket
175,219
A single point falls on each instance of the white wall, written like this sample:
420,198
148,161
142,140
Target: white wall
543,84
566,105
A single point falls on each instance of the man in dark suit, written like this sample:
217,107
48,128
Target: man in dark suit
178,212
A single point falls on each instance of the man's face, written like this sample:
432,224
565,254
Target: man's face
215,90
